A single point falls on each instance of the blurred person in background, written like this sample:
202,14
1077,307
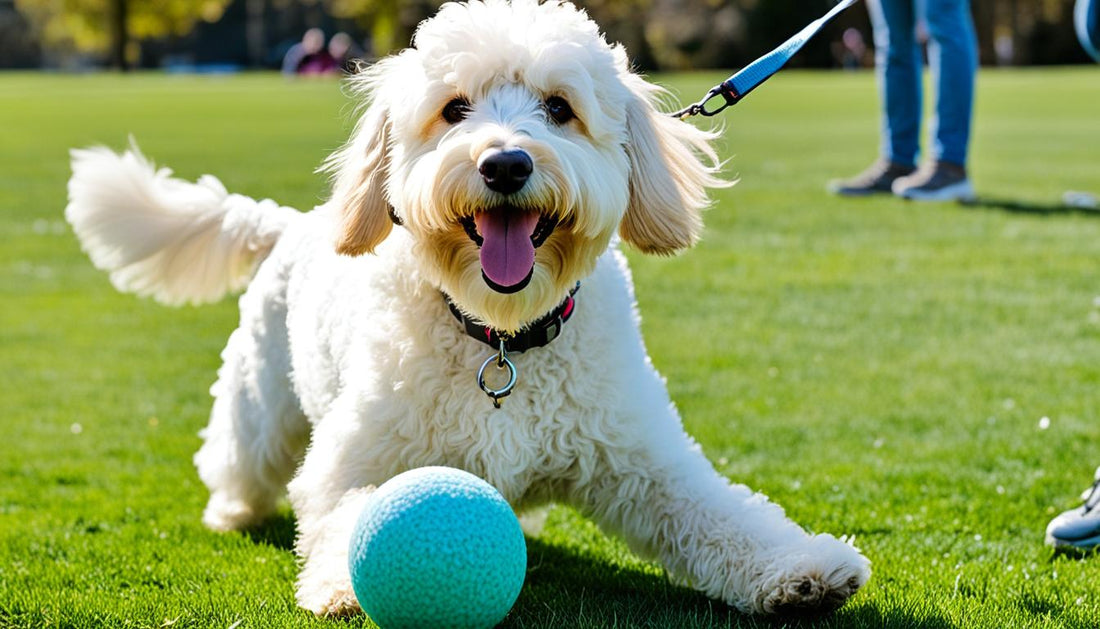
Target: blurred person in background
850,50
344,51
309,56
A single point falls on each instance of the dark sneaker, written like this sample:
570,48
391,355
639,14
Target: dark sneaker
936,181
1078,529
877,179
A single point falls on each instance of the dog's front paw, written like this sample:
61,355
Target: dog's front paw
820,576
226,514
328,598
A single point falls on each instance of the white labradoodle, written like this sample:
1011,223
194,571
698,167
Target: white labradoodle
509,146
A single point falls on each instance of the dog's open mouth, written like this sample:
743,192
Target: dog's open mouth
507,237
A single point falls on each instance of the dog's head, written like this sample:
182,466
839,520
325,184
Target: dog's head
513,141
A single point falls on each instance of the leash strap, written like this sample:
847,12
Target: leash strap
733,89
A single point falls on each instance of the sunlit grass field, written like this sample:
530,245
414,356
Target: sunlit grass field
879,368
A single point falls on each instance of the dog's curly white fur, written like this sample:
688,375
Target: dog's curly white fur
347,367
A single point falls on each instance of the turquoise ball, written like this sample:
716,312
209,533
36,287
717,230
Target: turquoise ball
437,547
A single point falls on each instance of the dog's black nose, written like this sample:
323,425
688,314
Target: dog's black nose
505,171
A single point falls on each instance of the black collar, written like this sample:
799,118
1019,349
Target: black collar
536,334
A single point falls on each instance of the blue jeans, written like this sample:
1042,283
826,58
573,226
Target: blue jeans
953,58
1086,20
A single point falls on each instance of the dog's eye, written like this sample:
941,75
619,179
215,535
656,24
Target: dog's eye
559,109
456,110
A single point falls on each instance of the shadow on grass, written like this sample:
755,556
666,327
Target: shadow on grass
568,588
277,531
1028,207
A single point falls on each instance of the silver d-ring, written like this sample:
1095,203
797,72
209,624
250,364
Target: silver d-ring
502,362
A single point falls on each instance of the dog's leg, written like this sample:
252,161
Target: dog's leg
324,583
257,431
659,491
328,494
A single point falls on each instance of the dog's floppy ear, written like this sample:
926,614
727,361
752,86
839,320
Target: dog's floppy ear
668,174
359,184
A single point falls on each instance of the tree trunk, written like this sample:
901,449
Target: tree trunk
985,24
254,32
120,35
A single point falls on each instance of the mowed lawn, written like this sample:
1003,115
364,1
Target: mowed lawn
926,377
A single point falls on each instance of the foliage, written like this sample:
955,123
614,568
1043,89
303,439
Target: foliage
86,24
382,16
665,34
876,367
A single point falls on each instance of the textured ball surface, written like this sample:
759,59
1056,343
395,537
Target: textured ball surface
437,547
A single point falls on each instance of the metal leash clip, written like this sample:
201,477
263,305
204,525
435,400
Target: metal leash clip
502,363
723,89
751,76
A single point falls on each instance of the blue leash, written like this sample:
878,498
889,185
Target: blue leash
733,89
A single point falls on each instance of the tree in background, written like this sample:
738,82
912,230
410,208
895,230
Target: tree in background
114,27
660,34
19,45
390,22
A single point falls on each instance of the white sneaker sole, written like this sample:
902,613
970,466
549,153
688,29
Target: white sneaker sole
961,191
1084,545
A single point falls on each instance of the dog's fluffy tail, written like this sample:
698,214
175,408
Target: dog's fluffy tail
177,241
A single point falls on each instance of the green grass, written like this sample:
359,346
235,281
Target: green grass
876,367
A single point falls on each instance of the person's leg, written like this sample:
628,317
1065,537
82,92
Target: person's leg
898,65
898,71
1086,21
953,58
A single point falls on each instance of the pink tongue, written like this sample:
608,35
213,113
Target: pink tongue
507,254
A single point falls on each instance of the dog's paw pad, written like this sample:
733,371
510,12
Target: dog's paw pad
330,602
820,578
343,604
803,595
811,593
